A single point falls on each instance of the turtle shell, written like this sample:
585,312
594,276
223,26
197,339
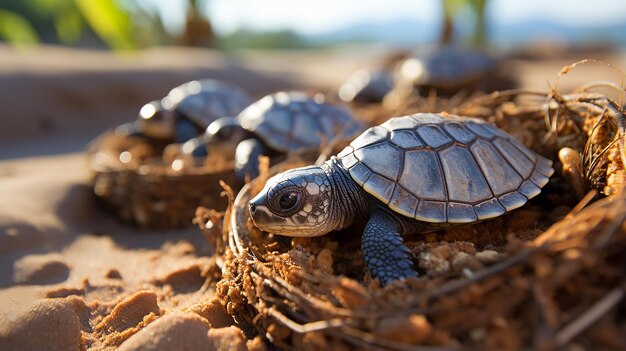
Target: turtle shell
291,120
203,101
447,68
366,86
441,168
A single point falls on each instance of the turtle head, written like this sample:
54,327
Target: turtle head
225,130
224,134
295,203
155,121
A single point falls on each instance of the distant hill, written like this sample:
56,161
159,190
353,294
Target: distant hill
408,33
404,32
518,33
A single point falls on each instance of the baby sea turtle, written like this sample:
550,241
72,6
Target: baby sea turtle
276,124
189,108
447,69
367,86
411,174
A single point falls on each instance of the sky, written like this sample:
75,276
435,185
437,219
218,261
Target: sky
324,16
316,17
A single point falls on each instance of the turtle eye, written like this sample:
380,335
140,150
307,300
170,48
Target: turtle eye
288,200
284,201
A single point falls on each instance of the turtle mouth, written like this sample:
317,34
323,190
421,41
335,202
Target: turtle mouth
266,221
261,216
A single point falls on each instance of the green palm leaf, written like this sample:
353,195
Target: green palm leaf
16,30
109,21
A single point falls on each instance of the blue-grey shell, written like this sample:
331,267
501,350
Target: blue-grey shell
204,101
446,68
445,169
367,86
291,120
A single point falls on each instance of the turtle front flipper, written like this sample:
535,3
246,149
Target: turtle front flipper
247,159
384,251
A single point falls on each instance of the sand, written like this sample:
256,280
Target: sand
71,275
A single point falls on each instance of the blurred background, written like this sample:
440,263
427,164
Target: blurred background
70,69
284,24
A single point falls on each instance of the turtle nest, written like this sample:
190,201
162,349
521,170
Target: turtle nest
141,186
546,276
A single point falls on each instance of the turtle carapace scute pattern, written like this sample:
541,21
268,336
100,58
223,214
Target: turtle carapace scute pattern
445,170
206,100
290,120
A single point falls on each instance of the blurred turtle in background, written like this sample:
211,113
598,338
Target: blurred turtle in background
367,86
274,125
186,111
447,69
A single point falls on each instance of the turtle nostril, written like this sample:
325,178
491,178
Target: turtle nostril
252,207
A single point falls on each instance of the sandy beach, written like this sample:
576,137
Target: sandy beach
64,261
